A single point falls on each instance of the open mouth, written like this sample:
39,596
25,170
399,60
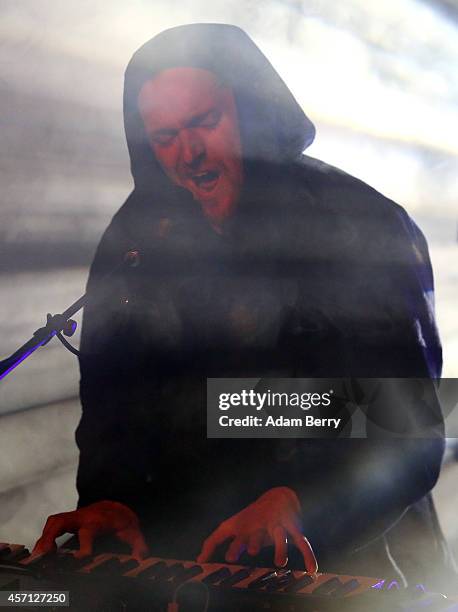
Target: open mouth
206,180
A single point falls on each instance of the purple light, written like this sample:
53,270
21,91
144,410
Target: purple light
378,585
393,585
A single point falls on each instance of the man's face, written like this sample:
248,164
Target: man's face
191,122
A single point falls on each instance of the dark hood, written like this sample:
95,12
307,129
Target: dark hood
273,126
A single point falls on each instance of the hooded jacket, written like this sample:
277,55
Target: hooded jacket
316,275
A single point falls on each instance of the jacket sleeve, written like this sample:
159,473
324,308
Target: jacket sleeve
392,357
361,487
107,433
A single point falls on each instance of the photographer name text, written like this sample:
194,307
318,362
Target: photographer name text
280,421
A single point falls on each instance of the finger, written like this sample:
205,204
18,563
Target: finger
86,539
42,547
255,542
56,525
219,536
301,542
134,537
236,548
281,546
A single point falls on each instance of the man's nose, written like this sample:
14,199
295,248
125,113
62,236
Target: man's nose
192,149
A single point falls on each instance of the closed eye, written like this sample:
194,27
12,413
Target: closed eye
209,120
164,137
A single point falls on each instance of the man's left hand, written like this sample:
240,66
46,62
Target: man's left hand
271,519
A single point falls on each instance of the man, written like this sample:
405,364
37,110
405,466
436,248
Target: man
255,261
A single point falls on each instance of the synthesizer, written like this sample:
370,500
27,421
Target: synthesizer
110,582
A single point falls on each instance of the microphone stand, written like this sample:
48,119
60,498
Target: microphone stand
59,323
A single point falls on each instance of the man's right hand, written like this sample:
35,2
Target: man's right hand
99,518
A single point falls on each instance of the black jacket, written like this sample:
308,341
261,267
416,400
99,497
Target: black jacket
317,275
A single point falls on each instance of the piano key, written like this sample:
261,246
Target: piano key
115,566
346,587
159,572
326,588
128,565
16,553
165,572
38,560
237,576
172,570
174,573
219,574
281,582
55,562
109,566
298,584
187,574
179,569
262,581
68,563
151,570
5,550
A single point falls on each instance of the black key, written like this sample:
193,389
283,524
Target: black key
326,588
298,583
5,550
236,577
116,566
281,582
16,555
346,587
175,572
187,574
39,562
69,563
62,564
263,580
129,565
215,577
109,566
152,570
165,571
172,570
